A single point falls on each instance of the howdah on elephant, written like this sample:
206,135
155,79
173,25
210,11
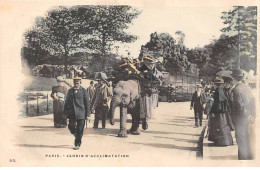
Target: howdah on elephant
126,95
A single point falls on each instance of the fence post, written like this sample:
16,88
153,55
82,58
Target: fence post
182,86
47,102
187,85
27,109
175,94
37,105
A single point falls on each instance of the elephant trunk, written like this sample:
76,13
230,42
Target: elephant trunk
113,105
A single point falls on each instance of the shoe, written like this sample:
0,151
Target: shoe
76,148
95,127
103,127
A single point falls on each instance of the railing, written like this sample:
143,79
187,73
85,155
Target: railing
39,107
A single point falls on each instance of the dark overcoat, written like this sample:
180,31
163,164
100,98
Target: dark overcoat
197,102
220,104
77,104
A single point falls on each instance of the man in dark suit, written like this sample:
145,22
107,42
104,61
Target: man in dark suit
77,109
198,103
242,113
169,93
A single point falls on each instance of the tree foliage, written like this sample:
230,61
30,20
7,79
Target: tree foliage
241,35
165,46
92,29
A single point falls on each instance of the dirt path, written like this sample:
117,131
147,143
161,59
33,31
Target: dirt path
171,139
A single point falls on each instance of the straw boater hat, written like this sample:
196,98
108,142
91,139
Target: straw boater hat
60,79
148,58
77,78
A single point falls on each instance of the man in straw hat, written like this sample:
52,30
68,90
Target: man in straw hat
198,103
77,109
242,113
58,94
101,98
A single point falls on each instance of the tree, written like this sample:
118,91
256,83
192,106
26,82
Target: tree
109,26
32,51
62,32
180,38
241,24
164,45
89,29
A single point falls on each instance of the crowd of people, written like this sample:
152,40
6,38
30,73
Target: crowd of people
230,106
77,103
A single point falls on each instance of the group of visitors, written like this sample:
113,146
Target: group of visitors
230,106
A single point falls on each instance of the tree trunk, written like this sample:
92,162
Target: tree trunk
103,52
66,59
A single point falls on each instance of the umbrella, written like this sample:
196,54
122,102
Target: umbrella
224,73
100,75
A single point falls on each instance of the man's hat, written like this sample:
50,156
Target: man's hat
77,78
60,79
148,58
238,72
218,80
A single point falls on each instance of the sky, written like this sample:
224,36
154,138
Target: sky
199,24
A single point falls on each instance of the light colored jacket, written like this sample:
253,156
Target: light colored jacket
102,96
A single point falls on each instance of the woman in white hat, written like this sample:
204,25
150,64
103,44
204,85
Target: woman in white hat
58,94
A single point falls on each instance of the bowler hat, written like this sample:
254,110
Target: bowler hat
218,80
238,72
60,79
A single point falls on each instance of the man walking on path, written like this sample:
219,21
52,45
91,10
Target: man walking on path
198,104
77,109
102,95
242,113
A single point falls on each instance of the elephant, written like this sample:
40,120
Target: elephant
126,95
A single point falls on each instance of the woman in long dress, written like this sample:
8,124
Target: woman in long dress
219,131
58,94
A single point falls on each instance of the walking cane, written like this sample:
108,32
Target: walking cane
87,123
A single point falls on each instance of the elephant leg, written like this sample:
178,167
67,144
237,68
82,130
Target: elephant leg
135,123
132,127
123,114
